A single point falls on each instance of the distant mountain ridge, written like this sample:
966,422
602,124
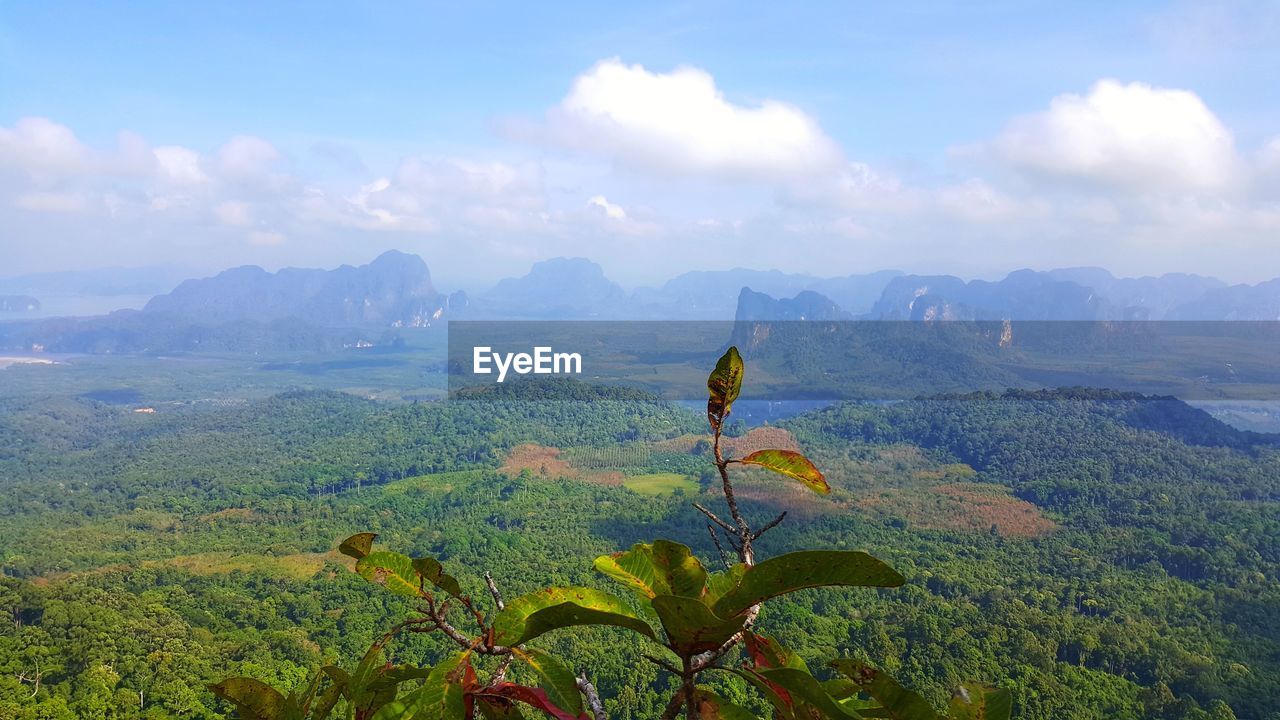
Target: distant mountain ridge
1022,295
806,305
249,307
1238,302
559,288
394,290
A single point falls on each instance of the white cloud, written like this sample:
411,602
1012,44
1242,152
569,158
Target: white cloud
245,157
53,202
1269,156
234,212
978,201
680,122
610,210
179,165
1125,135
426,195
43,150
263,237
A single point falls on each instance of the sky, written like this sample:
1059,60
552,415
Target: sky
829,138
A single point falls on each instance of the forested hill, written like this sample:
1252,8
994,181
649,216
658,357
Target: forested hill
1103,555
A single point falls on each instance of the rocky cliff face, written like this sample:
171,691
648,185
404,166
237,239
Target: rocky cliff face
1023,295
394,290
1238,302
806,305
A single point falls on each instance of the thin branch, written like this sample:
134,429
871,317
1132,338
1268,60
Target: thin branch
436,616
769,526
593,698
500,675
673,706
662,664
493,590
742,529
714,518
690,698
702,661
715,538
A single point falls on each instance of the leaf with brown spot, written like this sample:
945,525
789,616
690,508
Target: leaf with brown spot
723,387
358,545
791,464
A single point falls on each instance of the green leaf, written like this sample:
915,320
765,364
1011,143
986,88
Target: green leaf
843,689
974,701
385,685
297,704
441,697
430,568
690,624
323,706
253,699
555,678
723,386
391,570
714,707
358,545
663,568
529,616
722,582
805,569
783,706
363,691
803,687
901,703
766,652
792,464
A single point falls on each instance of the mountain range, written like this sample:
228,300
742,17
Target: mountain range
396,291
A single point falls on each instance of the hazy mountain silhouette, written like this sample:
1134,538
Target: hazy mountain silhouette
394,290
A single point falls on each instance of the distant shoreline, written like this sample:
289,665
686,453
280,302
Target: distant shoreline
6,361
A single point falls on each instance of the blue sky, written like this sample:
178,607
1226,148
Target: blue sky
971,138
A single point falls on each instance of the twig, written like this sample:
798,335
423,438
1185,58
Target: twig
493,590
500,675
673,706
715,538
593,698
741,529
769,526
440,623
714,518
702,661
690,699
662,664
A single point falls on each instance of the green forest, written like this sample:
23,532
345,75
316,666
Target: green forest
1095,554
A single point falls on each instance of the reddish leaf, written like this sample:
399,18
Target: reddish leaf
535,697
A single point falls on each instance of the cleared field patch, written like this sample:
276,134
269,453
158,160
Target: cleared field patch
970,507
657,484
992,506
757,438
550,463
540,460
